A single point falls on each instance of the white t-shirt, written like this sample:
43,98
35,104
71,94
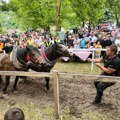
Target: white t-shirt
76,43
94,38
117,42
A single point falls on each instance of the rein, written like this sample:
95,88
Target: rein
64,52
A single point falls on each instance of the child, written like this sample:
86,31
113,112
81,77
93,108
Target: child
98,52
14,114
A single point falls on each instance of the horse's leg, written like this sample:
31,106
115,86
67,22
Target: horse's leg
1,79
15,84
6,84
47,79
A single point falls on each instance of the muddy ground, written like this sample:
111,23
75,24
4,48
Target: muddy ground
75,101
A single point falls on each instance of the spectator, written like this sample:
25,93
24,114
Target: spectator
108,41
8,46
23,43
61,36
57,40
47,43
117,43
85,37
1,45
98,52
93,37
70,42
30,41
76,42
14,114
82,43
80,33
16,40
88,43
52,40
38,41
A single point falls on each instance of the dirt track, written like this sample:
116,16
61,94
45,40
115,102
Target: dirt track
75,100
77,96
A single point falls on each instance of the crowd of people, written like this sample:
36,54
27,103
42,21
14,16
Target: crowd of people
96,38
76,38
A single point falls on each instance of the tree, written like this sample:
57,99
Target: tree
89,10
35,14
58,12
114,7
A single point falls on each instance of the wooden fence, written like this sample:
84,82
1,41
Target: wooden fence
55,75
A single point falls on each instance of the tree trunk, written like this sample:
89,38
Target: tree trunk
83,24
89,27
58,8
117,20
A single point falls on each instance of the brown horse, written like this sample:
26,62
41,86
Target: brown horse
18,61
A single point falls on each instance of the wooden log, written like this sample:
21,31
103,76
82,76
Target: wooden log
92,63
29,74
89,77
56,94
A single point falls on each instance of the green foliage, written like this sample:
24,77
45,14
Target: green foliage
8,20
89,10
42,13
114,7
3,5
35,14
68,17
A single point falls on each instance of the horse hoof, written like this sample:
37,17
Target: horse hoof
47,87
14,91
4,94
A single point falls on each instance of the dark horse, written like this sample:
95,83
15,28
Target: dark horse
49,56
18,61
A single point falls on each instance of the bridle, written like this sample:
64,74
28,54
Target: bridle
65,52
45,57
29,60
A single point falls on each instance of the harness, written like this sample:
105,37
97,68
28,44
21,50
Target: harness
2,56
14,59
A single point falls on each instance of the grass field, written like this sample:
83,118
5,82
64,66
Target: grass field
74,67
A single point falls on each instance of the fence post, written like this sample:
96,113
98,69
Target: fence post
93,57
56,94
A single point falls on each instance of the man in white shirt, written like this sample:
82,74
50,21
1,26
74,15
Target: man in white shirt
93,37
76,42
117,43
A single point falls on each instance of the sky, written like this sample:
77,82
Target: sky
7,1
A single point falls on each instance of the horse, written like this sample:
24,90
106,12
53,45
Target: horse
18,60
49,56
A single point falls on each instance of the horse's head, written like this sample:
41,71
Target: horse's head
34,55
62,51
